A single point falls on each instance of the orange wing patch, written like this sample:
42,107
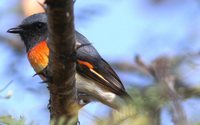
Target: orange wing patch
90,66
38,56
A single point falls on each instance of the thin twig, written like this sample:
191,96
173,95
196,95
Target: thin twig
6,86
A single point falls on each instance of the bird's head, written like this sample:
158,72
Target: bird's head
33,30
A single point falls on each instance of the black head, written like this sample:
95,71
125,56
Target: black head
32,30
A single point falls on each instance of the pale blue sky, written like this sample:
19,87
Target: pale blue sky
122,29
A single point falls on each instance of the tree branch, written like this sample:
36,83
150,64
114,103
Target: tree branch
167,81
61,68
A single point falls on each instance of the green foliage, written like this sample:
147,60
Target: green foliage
148,98
61,121
125,116
144,109
9,120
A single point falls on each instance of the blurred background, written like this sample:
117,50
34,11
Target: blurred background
152,44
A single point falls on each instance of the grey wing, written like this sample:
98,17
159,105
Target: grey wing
91,65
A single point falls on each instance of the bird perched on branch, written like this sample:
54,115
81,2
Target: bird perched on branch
95,79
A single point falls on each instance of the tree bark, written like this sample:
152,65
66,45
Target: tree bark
61,67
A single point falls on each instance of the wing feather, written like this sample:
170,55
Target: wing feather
92,66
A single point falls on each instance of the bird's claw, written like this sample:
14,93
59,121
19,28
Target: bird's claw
44,74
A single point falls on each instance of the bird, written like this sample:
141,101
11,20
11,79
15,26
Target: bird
95,78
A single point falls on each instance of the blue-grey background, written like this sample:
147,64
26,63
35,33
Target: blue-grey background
119,29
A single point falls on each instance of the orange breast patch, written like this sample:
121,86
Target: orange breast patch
38,56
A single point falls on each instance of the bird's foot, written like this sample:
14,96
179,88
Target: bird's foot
44,73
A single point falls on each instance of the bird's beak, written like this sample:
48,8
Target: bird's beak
16,30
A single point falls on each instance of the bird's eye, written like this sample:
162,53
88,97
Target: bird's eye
39,25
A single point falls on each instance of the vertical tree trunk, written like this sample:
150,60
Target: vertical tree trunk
61,68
